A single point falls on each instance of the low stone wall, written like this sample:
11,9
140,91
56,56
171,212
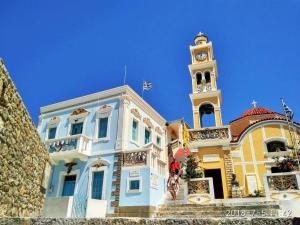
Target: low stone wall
138,221
22,155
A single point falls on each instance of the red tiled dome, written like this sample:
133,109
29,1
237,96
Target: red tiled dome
257,111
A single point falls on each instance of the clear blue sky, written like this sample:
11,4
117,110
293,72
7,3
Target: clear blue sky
57,50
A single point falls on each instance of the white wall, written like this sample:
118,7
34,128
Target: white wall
96,208
60,207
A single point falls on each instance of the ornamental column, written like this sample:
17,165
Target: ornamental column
122,134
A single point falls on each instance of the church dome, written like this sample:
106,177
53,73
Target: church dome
257,111
251,117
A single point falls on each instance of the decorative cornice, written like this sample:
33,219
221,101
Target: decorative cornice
116,93
143,105
78,111
84,100
158,130
147,121
105,109
207,94
54,120
136,113
125,99
193,68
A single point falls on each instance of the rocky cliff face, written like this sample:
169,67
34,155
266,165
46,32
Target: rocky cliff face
22,155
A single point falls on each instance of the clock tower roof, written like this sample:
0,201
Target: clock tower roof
200,39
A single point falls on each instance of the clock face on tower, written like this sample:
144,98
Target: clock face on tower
201,56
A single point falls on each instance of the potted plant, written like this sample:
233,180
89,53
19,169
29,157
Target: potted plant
286,163
193,170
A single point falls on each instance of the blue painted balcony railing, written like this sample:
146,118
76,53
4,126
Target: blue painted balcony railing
63,146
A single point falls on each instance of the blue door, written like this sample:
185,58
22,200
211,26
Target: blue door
97,185
69,185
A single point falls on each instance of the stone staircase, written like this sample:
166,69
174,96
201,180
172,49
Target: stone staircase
180,194
218,210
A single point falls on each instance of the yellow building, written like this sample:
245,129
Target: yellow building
246,146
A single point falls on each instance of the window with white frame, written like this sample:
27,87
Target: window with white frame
103,125
76,128
276,146
77,121
134,184
147,137
134,130
52,133
103,122
158,140
52,126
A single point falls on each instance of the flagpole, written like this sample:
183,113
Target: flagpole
125,74
143,90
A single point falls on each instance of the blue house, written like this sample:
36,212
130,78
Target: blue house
108,153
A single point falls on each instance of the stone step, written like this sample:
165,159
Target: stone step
244,204
218,213
204,209
215,205
177,210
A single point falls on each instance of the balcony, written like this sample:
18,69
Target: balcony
211,136
68,148
150,155
282,186
203,88
174,146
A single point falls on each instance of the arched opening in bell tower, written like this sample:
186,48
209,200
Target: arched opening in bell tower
203,81
207,77
207,115
199,78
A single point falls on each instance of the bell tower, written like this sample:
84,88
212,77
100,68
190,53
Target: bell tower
205,97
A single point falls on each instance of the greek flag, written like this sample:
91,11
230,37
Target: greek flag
147,86
287,110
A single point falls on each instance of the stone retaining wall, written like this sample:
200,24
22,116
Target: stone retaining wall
137,221
22,155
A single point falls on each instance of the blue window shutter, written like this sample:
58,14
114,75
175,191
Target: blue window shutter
97,185
69,185
103,122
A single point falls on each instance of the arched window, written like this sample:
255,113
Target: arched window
276,146
207,116
207,77
198,78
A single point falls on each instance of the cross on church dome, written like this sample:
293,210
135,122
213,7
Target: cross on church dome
254,103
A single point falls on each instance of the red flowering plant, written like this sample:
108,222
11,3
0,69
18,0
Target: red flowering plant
286,163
